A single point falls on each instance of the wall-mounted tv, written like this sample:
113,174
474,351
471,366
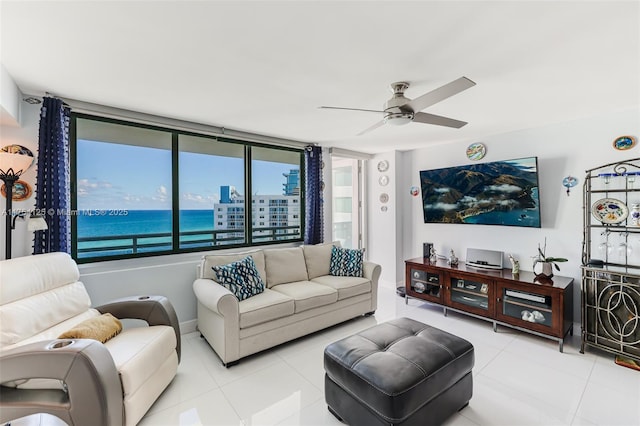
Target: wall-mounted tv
497,193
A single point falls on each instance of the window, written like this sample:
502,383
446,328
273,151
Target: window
143,190
346,189
276,181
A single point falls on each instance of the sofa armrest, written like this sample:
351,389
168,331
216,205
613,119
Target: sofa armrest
216,297
155,310
93,390
371,271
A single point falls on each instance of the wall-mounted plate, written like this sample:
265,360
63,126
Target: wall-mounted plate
383,180
624,142
476,151
384,198
21,191
383,166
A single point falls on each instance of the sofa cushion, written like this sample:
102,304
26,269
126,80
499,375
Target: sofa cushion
266,306
307,294
346,262
241,278
211,260
318,258
345,286
285,266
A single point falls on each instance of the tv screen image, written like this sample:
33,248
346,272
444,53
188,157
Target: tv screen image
496,193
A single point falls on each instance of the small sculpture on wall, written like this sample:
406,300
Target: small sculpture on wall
453,260
433,256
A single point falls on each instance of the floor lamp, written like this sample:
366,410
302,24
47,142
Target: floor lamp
12,165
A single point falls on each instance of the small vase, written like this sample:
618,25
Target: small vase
543,268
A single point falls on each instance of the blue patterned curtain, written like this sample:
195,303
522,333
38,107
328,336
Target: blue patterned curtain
314,223
52,184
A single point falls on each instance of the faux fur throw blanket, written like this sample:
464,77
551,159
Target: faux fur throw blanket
101,328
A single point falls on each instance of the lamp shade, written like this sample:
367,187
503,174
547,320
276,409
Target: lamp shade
14,160
36,223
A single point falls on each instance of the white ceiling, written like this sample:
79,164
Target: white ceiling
265,66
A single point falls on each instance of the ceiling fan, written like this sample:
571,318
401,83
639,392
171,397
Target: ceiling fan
401,110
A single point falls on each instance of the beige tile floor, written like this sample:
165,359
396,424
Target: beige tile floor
519,379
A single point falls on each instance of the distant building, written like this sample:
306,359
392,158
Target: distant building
271,215
292,185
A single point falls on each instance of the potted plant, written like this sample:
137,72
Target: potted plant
547,263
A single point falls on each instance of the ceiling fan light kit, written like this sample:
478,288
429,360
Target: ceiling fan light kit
401,110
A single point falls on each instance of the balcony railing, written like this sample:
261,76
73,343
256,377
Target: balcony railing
112,245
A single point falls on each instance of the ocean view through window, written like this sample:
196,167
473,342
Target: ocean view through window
142,190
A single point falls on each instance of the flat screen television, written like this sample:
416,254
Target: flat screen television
496,193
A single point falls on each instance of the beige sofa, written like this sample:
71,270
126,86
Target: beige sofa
300,297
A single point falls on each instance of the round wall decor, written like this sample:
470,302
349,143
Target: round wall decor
383,180
383,166
624,142
476,151
21,191
384,198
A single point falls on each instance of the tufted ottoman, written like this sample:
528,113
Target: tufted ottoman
401,372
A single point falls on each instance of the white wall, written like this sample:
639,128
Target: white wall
562,149
26,135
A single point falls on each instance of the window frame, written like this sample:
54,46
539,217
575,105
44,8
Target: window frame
175,191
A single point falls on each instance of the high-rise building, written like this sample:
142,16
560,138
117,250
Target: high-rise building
273,217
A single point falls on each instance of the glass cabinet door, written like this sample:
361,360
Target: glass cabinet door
426,284
527,306
473,294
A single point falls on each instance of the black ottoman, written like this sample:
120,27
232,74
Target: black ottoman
401,372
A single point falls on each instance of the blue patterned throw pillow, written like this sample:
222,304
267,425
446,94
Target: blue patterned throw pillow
336,261
346,262
241,278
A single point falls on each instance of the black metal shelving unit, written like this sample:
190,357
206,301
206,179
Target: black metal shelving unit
611,289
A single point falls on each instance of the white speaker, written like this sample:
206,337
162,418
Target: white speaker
487,259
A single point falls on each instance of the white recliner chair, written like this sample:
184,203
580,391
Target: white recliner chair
81,381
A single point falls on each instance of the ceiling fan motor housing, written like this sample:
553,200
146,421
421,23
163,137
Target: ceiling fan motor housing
393,111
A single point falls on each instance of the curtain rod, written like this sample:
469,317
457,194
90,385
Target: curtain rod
174,123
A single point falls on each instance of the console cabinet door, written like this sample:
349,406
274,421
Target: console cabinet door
470,293
424,283
538,309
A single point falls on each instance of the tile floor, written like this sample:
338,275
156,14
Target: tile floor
519,379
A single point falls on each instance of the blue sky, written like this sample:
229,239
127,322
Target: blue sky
117,176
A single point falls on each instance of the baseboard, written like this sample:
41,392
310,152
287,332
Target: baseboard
187,327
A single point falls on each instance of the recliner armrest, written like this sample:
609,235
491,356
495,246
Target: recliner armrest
155,310
93,389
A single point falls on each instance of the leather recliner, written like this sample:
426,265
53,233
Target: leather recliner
81,381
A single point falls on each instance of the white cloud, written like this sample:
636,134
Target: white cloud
161,194
503,188
442,206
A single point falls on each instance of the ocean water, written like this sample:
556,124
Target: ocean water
92,223
102,226
517,217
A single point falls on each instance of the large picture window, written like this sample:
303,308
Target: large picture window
143,191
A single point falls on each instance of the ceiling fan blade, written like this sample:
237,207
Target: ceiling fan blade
439,94
369,129
438,120
350,109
